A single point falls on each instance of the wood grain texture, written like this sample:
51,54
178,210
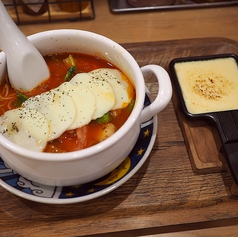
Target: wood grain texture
153,25
202,141
165,194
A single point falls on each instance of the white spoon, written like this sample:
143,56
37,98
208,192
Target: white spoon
25,65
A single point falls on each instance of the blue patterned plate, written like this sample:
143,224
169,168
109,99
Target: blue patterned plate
30,190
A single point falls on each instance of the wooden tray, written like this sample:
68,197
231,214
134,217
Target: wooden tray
201,136
163,196
202,141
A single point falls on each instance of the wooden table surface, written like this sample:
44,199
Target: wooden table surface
165,197
153,26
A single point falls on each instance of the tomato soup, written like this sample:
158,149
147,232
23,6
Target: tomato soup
73,70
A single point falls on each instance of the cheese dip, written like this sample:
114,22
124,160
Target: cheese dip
209,85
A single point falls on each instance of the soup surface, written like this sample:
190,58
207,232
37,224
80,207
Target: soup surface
85,100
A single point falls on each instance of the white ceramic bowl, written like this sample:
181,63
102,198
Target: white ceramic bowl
91,163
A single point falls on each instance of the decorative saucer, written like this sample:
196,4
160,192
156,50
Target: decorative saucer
33,191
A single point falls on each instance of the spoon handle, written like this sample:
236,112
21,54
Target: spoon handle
26,66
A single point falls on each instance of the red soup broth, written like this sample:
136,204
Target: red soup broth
87,135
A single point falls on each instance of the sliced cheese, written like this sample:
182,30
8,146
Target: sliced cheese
73,104
102,90
119,86
25,127
57,107
84,100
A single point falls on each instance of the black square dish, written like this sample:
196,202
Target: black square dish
207,88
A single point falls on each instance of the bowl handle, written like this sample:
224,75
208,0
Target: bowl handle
164,91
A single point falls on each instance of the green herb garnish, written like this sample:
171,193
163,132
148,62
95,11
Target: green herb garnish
72,69
106,118
130,106
20,99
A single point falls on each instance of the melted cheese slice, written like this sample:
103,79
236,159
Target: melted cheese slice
84,100
209,85
57,107
25,127
120,87
102,90
73,104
